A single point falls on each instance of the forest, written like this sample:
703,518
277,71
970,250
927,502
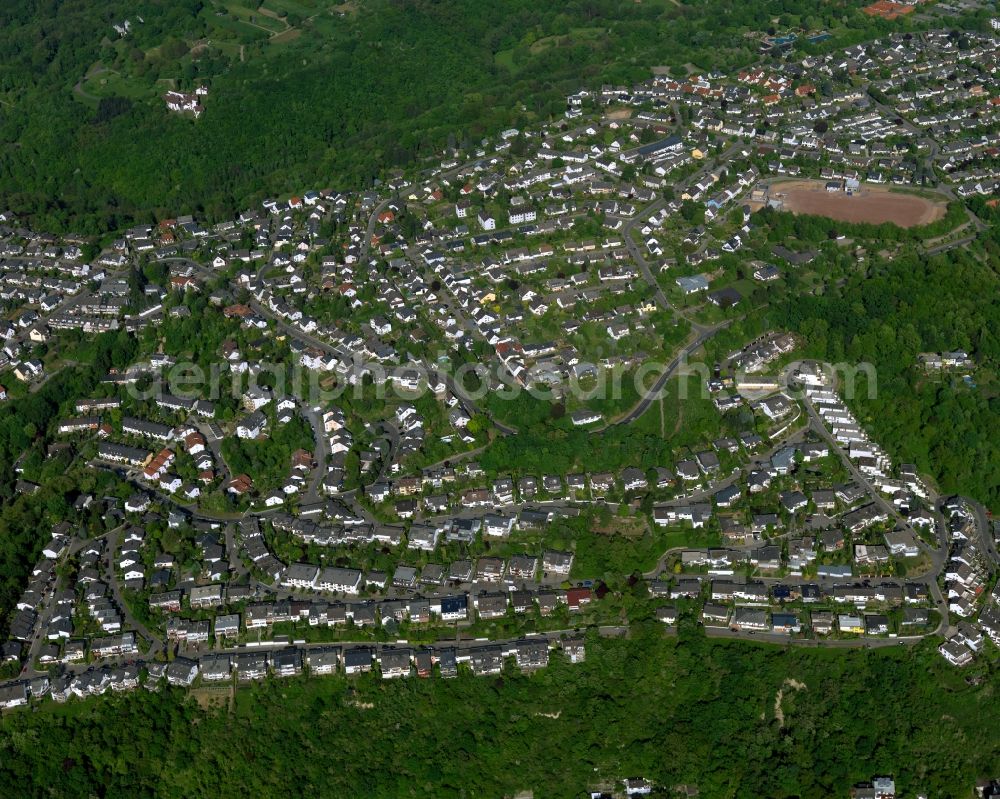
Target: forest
729,719
90,147
358,90
889,313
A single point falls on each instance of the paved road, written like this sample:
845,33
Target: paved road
950,245
45,614
640,218
236,566
460,643
643,216
372,224
984,528
702,334
129,622
48,606
816,423
938,555
445,296
320,450
655,391
451,460
109,575
467,403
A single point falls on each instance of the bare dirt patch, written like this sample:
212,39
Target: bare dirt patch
627,527
872,204
795,685
216,696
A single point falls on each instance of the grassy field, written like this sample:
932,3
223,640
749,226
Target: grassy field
302,9
112,84
255,19
239,26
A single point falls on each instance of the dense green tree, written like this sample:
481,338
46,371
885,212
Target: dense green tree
726,718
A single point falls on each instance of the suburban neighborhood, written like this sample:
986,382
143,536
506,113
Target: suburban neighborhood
298,470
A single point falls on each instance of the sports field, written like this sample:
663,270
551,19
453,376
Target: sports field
873,204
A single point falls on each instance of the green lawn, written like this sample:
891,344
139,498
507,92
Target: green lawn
254,19
302,9
111,84
241,27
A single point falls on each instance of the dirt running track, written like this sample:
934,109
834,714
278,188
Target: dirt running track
872,204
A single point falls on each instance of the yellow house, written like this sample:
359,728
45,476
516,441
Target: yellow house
698,154
850,624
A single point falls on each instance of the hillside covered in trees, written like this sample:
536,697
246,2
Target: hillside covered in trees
887,315
313,93
724,718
